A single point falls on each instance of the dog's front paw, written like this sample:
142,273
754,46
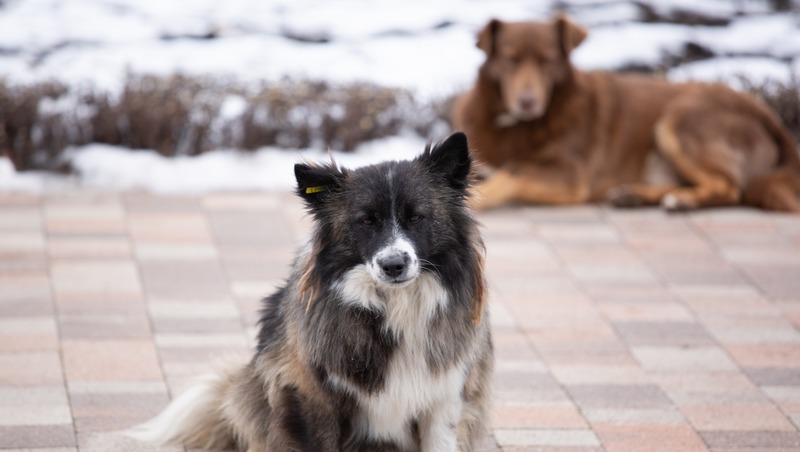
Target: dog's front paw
678,202
622,196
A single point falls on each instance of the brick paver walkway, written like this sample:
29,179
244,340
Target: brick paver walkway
614,330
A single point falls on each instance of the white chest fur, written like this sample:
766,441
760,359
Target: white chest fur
411,391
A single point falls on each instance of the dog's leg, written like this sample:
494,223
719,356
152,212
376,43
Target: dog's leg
714,182
500,188
715,192
438,427
637,195
530,184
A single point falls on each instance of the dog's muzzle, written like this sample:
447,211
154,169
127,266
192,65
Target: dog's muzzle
395,265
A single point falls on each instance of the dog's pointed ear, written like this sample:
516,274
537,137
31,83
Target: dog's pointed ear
451,159
570,34
316,182
488,36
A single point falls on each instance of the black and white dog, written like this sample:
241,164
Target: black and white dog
379,339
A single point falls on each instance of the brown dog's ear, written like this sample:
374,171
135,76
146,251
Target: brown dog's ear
488,36
570,34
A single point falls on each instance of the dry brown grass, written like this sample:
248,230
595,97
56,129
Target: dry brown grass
182,115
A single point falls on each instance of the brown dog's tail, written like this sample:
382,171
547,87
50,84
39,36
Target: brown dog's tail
195,419
787,145
778,189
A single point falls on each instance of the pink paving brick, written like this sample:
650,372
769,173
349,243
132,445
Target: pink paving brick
167,226
27,334
66,247
649,438
118,359
553,415
736,416
767,355
31,369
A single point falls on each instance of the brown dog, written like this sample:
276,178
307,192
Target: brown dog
556,135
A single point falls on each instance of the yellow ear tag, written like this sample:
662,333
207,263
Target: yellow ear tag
310,190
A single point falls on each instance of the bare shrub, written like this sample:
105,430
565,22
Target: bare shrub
21,132
182,115
299,114
783,97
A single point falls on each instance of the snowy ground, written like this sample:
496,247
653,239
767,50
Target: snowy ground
421,45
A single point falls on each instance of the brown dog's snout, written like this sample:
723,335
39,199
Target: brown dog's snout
527,101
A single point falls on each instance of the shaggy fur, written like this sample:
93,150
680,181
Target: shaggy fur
553,134
379,341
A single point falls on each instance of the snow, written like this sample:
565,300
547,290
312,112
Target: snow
727,70
423,46
631,43
111,167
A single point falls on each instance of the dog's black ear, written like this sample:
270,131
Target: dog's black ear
570,34
488,36
450,158
316,182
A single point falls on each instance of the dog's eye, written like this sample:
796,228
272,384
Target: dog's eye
367,221
414,218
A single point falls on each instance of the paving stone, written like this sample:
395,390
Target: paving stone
129,359
683,359
27,334
111,304
185,227
625,311
774,375
31,369
634,416
104,326
768,440
20,219
546,437
649,438
93,247
249,229
777,331
114,441
84,216
165,250
13,244
241,202
618,396
114,411
200,279
150,202
109,276
698,388
37,405
599,374
542,415
733,416
37,436
663,333
766,355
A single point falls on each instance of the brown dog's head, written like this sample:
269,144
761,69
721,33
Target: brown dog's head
528,60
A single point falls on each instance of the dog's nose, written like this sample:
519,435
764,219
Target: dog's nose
394,265
526,101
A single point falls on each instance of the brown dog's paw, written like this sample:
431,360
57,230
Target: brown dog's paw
678,202
623,196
